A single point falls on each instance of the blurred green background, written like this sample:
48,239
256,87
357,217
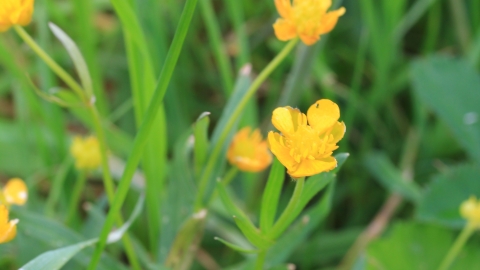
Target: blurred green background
404,73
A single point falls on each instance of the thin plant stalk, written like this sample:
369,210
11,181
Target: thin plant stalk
78,187
235,116
285,219
107,178
144,130
457,246
260,260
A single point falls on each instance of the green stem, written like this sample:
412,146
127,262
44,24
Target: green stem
284,221
457,246
144,130
107,178
232,172
260,260
50,62
235,116
75,196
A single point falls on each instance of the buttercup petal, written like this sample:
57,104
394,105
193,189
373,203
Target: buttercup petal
311,167
338,131
15,192
287,119
323,115
329,21
309,39
280,151
284,30
284,8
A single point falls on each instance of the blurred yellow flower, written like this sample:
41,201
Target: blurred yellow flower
470,210
8,229
307,19
14,12
248,151
15,192
306,148
86,152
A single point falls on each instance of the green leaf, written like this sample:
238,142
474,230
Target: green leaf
271,195
200,131
176,207
236,247
390,178
56,259
251,232
446,192
450,88
76,56
417,246
215,165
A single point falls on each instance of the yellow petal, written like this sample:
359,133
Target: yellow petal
284,30
8,230
329,21
338,131
15,192
25,16
309,39
281,152
284,8
287,119
311,167
323,115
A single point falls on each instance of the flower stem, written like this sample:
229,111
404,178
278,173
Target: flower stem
285,219
107,178
75,196
457,246
260,260
235,116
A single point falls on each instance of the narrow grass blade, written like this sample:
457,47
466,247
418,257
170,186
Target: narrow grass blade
236,247
200,131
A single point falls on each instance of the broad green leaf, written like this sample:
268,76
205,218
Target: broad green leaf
271,195
56,259
390,178
177,207
450,88
418,246
446,192
200,131
76,56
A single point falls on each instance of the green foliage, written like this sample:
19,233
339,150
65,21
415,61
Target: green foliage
446,192
417,246
404,73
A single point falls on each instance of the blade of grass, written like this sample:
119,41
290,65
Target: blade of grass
143,134
215,37
271,195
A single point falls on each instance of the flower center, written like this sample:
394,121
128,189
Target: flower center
307,144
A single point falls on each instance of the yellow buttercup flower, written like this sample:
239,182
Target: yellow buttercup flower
13,12
470,210
305,148
14,192
8,229
86,152
307,19
248,151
